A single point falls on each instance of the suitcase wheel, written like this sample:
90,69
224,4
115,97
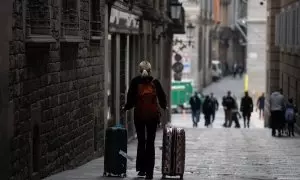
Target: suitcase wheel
163,176
181,176
104,174
124,175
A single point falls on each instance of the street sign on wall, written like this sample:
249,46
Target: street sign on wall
187,65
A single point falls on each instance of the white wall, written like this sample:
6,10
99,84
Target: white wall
256,49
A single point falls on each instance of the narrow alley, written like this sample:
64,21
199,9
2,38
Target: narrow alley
217,153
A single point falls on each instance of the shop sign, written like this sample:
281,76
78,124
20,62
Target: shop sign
124,19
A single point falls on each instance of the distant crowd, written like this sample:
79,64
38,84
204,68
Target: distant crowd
283,114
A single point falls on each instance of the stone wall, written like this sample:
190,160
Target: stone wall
57,91
283,67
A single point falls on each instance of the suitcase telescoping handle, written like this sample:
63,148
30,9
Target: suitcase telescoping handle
164,122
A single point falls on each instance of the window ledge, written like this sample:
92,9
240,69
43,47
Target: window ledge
96,38
40,39
72,39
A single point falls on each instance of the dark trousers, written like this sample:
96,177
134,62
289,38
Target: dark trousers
261,112
236,120
246,117
277,122
145,151
195,117
213,116
207,119
291,129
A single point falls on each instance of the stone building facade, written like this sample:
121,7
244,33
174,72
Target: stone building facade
56,85
283,42
55,65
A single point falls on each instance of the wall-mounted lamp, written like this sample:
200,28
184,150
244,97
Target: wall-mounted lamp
162,34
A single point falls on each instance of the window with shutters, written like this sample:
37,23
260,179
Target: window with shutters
277,30
284,39
95,20
293,26
298,25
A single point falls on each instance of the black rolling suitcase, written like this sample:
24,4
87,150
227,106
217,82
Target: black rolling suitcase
115,164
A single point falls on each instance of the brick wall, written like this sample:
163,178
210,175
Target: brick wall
57,91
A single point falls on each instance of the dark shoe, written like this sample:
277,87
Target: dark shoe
141,173
150,176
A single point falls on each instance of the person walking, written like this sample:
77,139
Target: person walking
246,109
215,106
277,106
195,103
228,105
291,111
236,115
143,93
261,105
207,110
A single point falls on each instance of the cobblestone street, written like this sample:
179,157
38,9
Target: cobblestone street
217,153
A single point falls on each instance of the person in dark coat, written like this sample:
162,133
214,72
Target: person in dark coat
195,103
261,105
215,106
146,150
246,109
228,105
208,110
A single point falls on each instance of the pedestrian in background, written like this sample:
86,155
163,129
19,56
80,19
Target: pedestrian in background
215,106
246,109
261,105
228,105
236,114
290,116
207,110
143,93
195,103
277,107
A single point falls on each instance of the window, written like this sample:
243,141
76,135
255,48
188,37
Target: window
68,55
36,149
95,19
70,17
277,26
38,17
298,25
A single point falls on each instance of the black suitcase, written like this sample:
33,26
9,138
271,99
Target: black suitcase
173,152
115,164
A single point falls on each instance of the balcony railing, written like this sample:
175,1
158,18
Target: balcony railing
37,18
70,22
